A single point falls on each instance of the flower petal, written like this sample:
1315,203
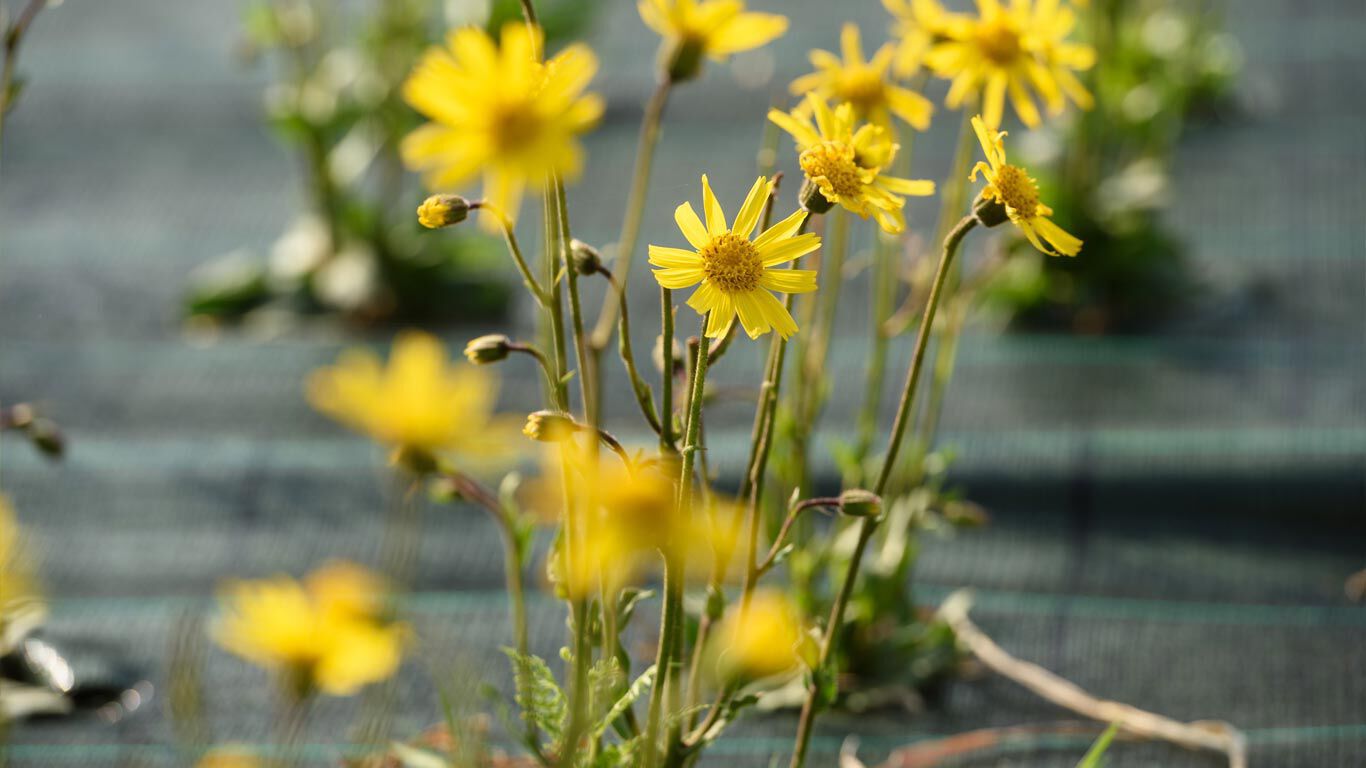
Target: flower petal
789,280
782,230
789,249
674,257
711,208
748,217
691,226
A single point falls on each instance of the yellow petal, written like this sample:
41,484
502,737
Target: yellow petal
789,280
677,278
1066,243
782,230
800,130
786,250
674,257
748,217
691,226
711,208
851,47
745,32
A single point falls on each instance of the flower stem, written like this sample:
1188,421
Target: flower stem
869,524
644,395
666,391
14,35
515,250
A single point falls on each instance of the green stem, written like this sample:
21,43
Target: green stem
515,250
13,37
644,395
869,525
666,391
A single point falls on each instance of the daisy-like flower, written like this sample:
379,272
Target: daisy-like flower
864,83
496,109
420,405
326,634
715,29
844,161
919,25
764,641
990,56
1011,187
1053,24
737,275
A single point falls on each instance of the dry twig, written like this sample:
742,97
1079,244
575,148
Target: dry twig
1216,736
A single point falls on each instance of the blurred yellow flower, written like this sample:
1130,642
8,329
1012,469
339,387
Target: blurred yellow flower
327,634
229,757
764,640
498,110
736,274
990,55
715,29
919,25
1012,187
1053,23
866,84
846,164
419,404
17,586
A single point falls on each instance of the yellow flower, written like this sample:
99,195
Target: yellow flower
496,109
1053,23
762,641
919,25
846,164
866,84
991,55
1012,187
17,587
419,404
736,274
327,634
712,28
229,757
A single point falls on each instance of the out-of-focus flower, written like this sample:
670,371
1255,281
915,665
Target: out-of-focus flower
629,518
845,164
21,602
229,757
919,25
864,83
420,405
1010,187
990,55
715,29
737,275
763,640
328,634
1053,24
496,109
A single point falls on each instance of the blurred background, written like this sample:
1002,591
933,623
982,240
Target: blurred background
1171,447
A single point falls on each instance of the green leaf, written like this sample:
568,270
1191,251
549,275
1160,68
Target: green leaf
1095,756
623,703
541,699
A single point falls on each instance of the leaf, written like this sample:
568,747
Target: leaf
1096,754
541,699
628,698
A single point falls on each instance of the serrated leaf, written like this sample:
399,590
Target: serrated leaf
540,697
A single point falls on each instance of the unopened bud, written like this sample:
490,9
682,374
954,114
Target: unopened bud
990,211
488,349
860,503
440,211
549,427
812,199
47,437
587,260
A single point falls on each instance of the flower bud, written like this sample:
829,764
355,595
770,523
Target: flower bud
417,461
587,260
549,427
47,437
812,199
857,502
990,211
683,60
440,211
488,349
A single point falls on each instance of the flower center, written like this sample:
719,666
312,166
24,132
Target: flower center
837,162
1017,190
515,126
862,87
999,41
732,263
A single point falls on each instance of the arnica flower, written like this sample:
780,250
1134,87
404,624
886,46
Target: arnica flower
919,25
328,634
864,83
991,55
764,640
737,275
715,29
845,164
17,587
1010,186
420,405
496,109
1053,24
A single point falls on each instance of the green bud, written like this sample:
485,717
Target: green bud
488,349
549,427
812,199
857,502
586,258
683,60
47,437
440,211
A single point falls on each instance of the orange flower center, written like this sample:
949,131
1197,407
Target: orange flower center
1019,192
732,263
999,41
837,164
515,126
